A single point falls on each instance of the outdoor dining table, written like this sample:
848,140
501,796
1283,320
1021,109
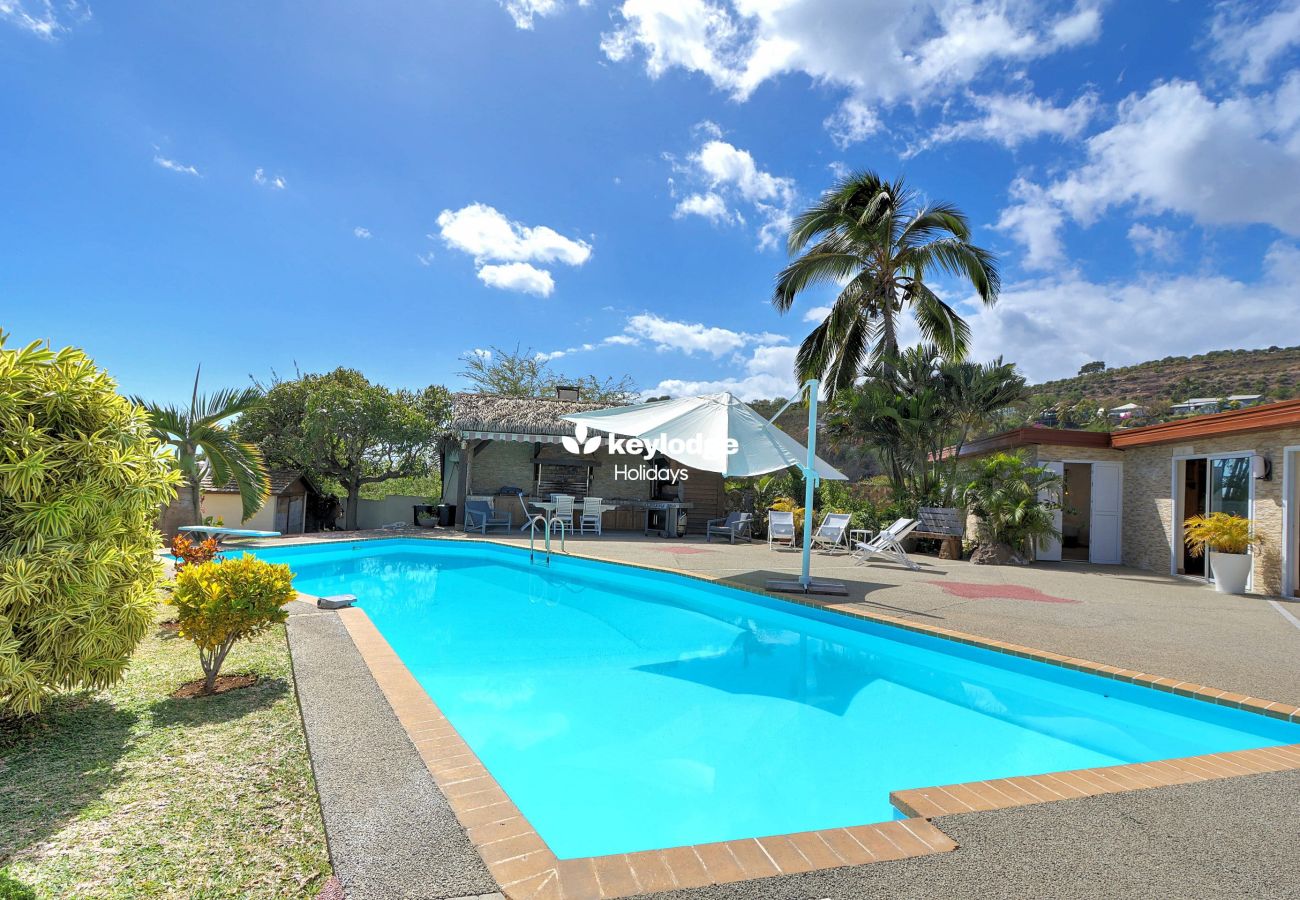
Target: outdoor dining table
548,506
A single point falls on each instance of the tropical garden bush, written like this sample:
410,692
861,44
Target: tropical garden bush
81,482
918,413
227,600
1014,503
192,553
1221,532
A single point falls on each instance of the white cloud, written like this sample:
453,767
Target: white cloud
1236,161
518,276
1252,45
817,314
709,205
768,372
481,353
1052,326
688,337
1013,119
525,11
1035,221
172,165
275,183
730,177
512,248
880,52
486,234
1156,241
44,18
361,232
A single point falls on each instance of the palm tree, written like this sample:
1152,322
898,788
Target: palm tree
880,241
199,435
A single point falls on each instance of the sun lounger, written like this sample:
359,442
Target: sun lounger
888,544
780,528
833,532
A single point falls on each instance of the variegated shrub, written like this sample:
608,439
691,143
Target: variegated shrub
81,482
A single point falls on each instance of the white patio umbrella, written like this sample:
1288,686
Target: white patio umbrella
719,433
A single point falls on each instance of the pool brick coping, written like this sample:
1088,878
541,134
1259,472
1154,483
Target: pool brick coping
525,867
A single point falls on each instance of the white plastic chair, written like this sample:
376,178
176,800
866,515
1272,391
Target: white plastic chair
780,528
888,544
592,514
831,534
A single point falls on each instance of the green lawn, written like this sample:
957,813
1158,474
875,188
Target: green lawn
129,793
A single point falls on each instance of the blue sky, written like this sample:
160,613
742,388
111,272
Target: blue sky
395,185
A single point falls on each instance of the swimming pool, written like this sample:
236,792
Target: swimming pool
625,709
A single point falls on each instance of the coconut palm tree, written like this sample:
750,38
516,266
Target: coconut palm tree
880,242
199,434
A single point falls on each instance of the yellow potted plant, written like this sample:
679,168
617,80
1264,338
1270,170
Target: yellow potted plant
1228,540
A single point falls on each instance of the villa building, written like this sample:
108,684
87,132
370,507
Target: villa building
1127,493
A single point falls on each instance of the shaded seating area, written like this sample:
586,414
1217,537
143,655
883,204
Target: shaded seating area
735,525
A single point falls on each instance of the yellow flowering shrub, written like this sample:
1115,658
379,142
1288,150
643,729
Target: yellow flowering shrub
226,600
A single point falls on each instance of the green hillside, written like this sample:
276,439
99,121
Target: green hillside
1274,372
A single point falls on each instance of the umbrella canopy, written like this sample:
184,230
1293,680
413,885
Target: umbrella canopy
713,433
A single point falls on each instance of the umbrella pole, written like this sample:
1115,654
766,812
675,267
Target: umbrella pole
809,481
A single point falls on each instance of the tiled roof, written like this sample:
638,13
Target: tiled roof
281,481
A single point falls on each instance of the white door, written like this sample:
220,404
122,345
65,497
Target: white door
1103,527
1050,548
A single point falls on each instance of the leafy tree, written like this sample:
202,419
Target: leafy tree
227,600
81,480
340,426
918,415
1014,503
198,434
525,373
1092,368
881,242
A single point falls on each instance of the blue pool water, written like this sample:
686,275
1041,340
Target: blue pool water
627,710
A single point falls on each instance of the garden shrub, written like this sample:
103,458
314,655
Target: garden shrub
81,483
221,602
192,553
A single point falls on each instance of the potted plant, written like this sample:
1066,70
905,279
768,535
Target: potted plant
1228,539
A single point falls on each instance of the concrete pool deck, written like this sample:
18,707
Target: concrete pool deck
1079,586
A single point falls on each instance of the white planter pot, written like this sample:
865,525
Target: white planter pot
1230,570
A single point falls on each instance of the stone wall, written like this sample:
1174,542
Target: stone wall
1149,532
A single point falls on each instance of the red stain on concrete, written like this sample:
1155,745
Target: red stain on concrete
968,590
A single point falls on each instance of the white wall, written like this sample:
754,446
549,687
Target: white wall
228,508
397,508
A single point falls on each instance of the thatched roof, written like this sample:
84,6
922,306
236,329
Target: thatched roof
281,481
517,415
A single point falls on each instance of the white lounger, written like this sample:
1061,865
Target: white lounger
888,544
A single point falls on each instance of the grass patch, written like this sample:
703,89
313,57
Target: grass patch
132,793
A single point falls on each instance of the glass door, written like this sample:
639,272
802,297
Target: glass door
1230,486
